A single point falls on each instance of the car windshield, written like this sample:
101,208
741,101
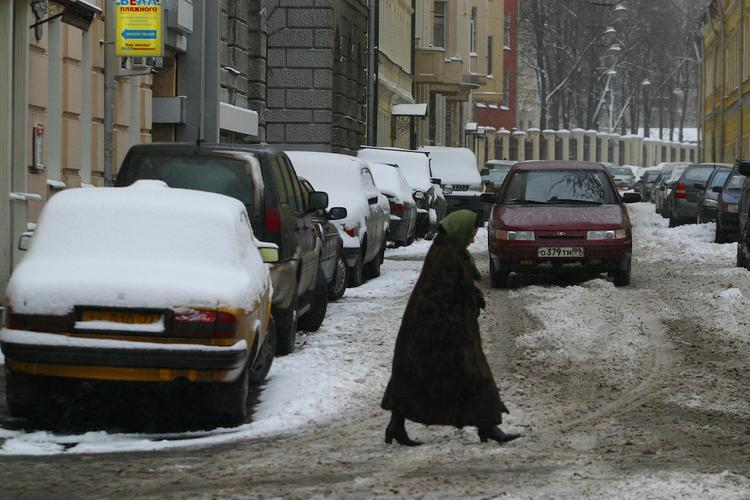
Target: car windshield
216,174
650,176
736,181
564,186
620,171
676,174
496,176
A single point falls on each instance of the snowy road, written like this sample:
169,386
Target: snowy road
632,392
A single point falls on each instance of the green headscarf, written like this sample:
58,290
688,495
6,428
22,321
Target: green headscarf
459,226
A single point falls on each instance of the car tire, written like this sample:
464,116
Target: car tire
22,393
372,269
229,400
263,359
338,286
719,236
355,276
286,330
742,253
621,277
498,277
312,319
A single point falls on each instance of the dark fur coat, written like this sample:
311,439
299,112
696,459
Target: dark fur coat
440,375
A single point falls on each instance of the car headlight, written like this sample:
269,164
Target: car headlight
514,235
610,234
447,189
418,195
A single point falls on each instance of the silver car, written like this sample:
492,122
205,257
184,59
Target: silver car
623,176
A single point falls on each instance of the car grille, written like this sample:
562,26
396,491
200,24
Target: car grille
460,187
561,235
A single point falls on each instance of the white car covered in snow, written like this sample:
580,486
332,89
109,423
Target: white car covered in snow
144,284
350,184
460,176
393,185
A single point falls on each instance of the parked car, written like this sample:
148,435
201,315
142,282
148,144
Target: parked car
551,216
143,285
349,183
623,177
727,218
426,191
265,182
670,173
332,259
460,176
708,194
682,201
645,183
392,184
743,211
498,170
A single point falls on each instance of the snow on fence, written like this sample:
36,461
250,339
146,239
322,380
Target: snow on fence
577,144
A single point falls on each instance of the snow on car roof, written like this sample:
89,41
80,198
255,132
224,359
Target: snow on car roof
414,165
390,180
453,165
146,245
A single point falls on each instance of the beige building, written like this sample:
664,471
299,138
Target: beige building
52,113
453,41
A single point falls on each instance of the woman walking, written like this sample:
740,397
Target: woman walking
440,375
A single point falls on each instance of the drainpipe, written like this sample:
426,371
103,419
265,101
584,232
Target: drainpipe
372,82
109,87
412,126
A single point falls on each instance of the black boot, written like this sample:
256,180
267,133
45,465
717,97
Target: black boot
396,430
494,433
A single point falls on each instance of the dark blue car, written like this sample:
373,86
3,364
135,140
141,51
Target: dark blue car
727,219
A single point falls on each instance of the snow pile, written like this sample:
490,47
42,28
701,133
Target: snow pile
415,166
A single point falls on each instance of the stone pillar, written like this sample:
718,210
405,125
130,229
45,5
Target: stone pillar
591,134
638,151
520,136
505,141
549,144
491,138
615,138
668,145
534,138
578,134
603,138
650,147
564,136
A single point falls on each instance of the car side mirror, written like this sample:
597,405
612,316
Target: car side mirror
699,186
744,167
337,213
631,197
269,252
490,198
318,201
717,189
436,180
24,241
484,171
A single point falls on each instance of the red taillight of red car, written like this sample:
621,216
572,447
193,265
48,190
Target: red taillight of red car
201,323
272,220
397,208
38,322
680,191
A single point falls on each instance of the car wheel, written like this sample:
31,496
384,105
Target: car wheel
338,286
264,358
286,330
22,393
312,319
372,269
621,277
355,276
719,236
498,277
229,400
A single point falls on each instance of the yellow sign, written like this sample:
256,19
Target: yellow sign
139,28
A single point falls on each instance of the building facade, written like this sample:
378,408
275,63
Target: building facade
725,81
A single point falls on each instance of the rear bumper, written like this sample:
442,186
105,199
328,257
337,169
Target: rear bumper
351,255
58,355
398,231
683,209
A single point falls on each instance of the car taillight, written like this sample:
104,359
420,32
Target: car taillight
201,323
679,191
351,231
272,220
38,322
397,208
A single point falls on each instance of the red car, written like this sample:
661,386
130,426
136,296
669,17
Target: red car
552,216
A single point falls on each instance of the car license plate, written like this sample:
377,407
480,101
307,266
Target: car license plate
125,317
562,252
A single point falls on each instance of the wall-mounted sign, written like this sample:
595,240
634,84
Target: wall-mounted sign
37,160
139,28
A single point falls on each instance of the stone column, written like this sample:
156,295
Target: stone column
564,136
615,138
638,151
650,147
534,138
591,134
520,136
578,134
668,145
549,144
491,138
603,138
505,141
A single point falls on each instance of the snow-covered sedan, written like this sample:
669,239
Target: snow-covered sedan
349,184
393,185
141,285
552,216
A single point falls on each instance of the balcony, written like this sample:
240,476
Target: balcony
434,67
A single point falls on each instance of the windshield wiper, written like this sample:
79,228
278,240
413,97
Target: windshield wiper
524,202
576,202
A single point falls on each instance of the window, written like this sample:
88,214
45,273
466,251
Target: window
294,188
439,24
506,31
490,54
473,31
